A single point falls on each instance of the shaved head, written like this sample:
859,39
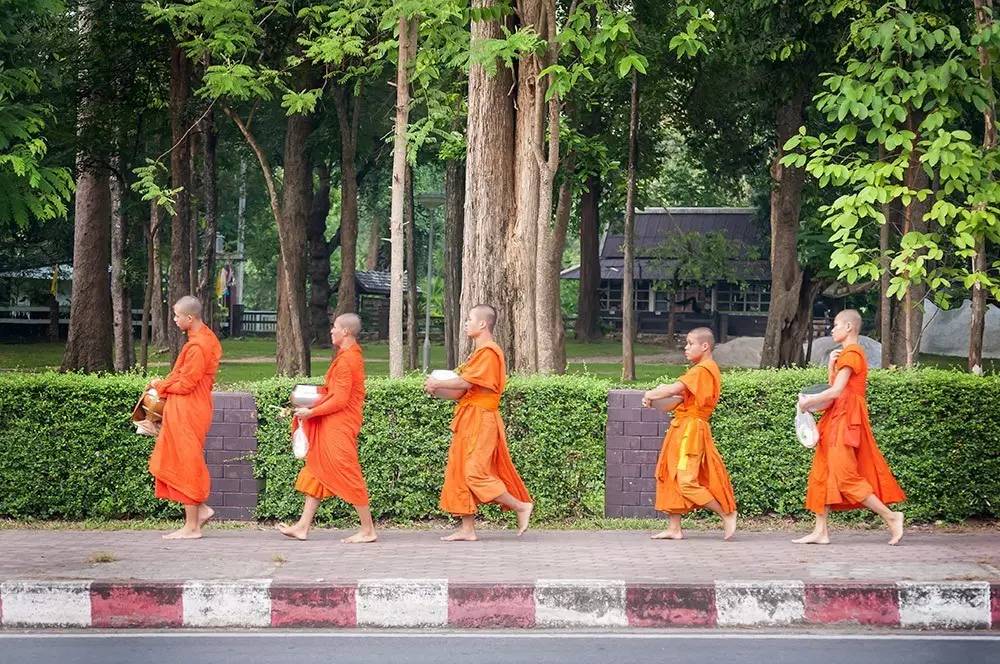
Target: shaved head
188,305
350,323
851,316
485,313
703,335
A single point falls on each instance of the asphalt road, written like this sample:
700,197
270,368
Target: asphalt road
289,647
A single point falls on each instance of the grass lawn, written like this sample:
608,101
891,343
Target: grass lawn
246,360
238,357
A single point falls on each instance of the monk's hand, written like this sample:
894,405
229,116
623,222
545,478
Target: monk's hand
303,413
834,356
804,403
430,386
646,401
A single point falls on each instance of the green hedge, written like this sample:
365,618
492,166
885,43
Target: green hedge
939,431
555,429
67,449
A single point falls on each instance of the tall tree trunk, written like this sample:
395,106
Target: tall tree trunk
319,265
121,301
984,20
551,328
293,343
908,317
159,335
197,191
210,196
551,234
407,52
885,302
489,186
409,230
786,275
349,118
179,282
588,310
374,242
522,255
454,221
628,289
88,346
152,294
296,203
794,352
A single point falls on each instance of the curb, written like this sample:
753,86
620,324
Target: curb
548,604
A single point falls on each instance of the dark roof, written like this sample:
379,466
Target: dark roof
376,283
652,225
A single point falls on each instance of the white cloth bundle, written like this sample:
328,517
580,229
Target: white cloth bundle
300,443
805,428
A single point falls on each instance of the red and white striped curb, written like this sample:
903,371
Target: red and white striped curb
414,603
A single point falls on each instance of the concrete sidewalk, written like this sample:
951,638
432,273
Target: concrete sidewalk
544,579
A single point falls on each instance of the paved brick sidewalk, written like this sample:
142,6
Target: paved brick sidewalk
500,557
547,579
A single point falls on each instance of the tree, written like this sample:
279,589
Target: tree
88,346
695,259
31,188
899,106
628,297
407,46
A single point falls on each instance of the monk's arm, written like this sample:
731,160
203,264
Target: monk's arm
183,379
830,393
457,383
677,389
338,394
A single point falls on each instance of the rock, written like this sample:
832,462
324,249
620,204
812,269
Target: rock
741,352
823,346
946,331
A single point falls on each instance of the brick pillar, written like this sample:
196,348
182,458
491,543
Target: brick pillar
230,443
632,444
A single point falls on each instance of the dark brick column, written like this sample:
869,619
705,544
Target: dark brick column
632,445
230,442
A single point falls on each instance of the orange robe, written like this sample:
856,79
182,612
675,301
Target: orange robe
690,472
178,459
479,466
332,467
848,466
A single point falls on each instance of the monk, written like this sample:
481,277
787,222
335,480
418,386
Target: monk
332,426
690,473
479,468
178,459
848,470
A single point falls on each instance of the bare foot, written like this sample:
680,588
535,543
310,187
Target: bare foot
184,533
204,514
668,534
461,536
728,526
360,538
294,532
815,537
896,528
523,516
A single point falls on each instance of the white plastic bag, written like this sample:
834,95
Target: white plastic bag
805,428
300,443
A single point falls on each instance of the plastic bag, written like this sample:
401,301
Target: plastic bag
300,443
805,428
